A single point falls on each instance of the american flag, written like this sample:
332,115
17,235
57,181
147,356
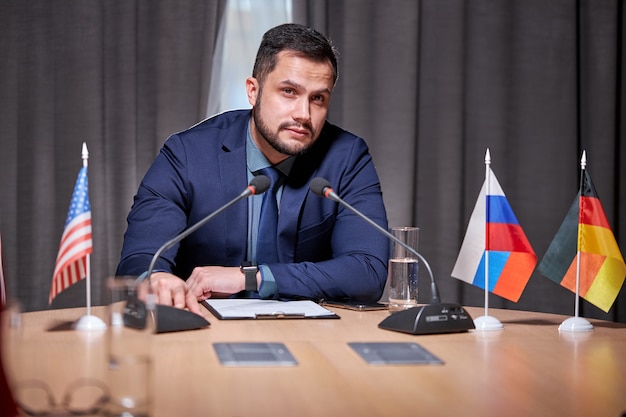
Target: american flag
71,264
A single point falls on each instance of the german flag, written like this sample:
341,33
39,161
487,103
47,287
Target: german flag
586,230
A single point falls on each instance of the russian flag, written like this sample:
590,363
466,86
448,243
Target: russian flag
493,227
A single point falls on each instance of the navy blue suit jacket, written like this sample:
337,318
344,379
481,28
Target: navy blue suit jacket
325,251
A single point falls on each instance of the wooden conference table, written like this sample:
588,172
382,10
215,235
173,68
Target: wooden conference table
526,369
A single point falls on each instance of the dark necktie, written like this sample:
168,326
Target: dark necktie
266,251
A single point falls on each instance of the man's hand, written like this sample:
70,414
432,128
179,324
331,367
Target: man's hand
173,291
215,281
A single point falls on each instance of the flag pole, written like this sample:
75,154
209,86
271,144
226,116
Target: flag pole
576,323
88,322
487,192
487,322
85,158
583,165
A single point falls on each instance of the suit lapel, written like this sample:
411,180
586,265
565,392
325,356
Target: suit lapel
233,179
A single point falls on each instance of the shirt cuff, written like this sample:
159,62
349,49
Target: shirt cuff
268,287
144,275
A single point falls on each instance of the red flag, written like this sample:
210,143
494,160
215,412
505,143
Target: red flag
3,288
7,403
76,243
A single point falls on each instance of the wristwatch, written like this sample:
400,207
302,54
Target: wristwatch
249,269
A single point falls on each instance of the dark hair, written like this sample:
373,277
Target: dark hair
293,37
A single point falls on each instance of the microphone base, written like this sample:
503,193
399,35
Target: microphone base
169,319
172,319
430,319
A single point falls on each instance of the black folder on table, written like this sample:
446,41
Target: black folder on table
256,309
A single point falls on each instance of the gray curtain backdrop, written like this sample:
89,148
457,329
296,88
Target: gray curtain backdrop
118,75
429,84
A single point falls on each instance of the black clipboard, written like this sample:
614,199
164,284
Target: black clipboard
259,309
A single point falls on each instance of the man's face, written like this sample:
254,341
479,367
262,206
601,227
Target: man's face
290,108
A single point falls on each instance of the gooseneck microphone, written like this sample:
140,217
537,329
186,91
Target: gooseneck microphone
322,188
436,317
172,319
258,185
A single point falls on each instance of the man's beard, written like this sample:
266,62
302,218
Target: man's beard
272,137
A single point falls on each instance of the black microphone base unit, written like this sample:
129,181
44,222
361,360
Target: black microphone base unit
168,318
172,319
430,319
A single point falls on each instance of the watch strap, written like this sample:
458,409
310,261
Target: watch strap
250,270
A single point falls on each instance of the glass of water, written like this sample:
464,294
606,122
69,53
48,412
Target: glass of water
403,269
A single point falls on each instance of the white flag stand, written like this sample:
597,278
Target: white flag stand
88,322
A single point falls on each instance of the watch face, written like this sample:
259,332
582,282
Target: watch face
247,264
250,268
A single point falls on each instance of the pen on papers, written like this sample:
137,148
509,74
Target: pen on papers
280,315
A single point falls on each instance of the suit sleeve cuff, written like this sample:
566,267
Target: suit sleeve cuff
268,287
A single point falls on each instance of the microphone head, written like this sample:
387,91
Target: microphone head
260,184
319,186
